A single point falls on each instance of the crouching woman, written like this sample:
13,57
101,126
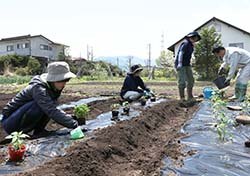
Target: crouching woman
33,107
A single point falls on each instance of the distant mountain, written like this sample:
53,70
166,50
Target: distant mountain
123,61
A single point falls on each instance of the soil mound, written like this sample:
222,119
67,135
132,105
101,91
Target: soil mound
134,147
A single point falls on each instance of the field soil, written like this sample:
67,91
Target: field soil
128,148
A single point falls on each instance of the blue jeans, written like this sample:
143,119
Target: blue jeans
27,118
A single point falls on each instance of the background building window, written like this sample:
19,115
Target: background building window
25,45
239,45
44,47
10,48
22,45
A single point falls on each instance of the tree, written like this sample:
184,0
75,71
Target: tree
166,62
33,66
205,63
166,59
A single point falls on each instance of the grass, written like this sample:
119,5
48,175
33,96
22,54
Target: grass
14,79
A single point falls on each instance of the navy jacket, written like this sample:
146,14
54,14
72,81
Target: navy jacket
46,97
187,49
131,83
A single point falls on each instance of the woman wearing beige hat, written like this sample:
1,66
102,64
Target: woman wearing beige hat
33,107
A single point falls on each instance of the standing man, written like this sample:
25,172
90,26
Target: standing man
183,66
235,58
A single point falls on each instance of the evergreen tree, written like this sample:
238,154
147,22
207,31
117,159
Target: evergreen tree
166,59
205,63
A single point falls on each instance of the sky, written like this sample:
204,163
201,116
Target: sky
116,27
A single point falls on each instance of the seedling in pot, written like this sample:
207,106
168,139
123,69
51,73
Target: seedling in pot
115,111
126,108
17,148
81,113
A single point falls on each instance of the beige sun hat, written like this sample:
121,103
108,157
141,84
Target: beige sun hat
58,71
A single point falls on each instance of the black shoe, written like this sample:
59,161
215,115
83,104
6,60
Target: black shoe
43,133
84,129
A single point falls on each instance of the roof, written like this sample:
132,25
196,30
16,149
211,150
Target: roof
171,48
28,37
15,38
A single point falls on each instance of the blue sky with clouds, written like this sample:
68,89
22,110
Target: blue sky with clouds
116,27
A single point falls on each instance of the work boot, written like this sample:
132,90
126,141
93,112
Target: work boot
191,98
182,94
236,93
242,92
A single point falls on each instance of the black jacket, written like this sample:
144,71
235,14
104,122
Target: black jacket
46,97
187,49
131,83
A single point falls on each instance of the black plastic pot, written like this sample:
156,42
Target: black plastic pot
143,102
115,113
81,121
220,82
126,110
247,144
152,99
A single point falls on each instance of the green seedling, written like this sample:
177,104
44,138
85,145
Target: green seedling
125,104
246,106
17,139
223,122
81,111
115,106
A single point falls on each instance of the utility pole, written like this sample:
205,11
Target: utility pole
117,61
162,42
92,54
130,61
87,52
149,57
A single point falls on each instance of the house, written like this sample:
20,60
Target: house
37,46
230,35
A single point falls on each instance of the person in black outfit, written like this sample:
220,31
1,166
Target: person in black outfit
183,66
33,107
133,86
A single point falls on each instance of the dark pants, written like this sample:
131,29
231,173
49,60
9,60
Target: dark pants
27,118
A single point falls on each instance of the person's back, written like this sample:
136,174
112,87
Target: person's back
243,55
28,94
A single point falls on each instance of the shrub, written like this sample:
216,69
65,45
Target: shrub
33,66
22,71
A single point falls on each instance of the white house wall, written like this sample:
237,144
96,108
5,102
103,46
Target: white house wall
34,48
228,35
57,49
37,51
20,51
